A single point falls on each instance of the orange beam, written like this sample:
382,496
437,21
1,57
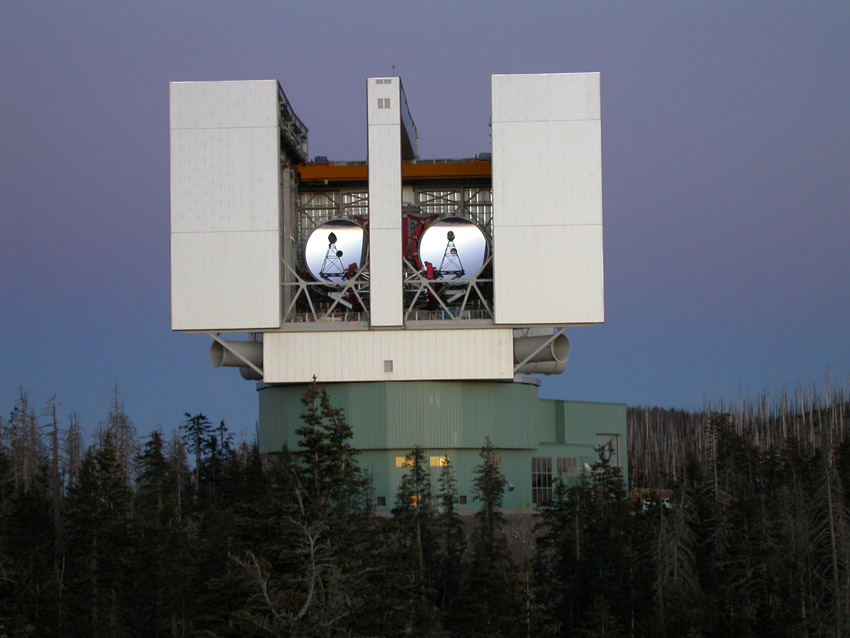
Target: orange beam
476,169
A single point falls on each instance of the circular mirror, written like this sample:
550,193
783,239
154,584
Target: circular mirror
455,247
335,250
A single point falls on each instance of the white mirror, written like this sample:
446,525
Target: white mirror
335,250
455,247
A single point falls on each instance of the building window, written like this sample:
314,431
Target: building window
461,499
439,461
541,480
567,466
382,501
608,447
495,461
383,102
403,461
388,365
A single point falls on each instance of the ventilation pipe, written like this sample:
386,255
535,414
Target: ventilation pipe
249,374
551,356
250,351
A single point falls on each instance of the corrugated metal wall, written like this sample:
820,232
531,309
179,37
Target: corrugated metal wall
225,205
451,419
413,355
547,199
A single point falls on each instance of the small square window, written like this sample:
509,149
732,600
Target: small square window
388,365
462,499
382,501
439,461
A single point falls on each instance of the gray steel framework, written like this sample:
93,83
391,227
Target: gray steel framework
425,299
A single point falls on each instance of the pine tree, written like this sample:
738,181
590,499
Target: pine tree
488,488
197,432
163,562
100,541
315,584
490,600
415,517
451,540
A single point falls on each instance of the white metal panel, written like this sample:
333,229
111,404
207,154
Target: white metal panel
361,355
385,280
384,177
225,205
554,277
547,200
546,97
384,141
224,179
223,281
248,103
554,175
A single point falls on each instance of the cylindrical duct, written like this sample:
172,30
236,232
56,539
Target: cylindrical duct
249,374
250,350
557,350
544,367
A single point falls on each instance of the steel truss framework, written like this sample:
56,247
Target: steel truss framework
425,299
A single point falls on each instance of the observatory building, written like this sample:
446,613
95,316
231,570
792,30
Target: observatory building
421,292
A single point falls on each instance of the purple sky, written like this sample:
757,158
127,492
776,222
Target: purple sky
726,151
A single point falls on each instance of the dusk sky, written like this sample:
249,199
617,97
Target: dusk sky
726,176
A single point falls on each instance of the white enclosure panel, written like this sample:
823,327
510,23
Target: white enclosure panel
222,281
364,356
549,275
547,97
384,177
547,173
225,179
547,199
249,103
385,277
384,140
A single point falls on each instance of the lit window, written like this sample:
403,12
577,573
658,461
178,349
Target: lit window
439,461
495,461
541,480
567,466
608,446
403,461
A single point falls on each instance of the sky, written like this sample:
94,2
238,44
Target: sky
726,181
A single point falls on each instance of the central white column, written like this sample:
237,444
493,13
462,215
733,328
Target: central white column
385,255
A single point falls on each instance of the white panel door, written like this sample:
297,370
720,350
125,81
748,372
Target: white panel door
225,205
547,199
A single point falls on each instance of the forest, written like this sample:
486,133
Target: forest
741,527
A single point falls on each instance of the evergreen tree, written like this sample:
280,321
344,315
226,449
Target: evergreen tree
451,541
488,488
164,566
197,432
490,600
100,542
415,516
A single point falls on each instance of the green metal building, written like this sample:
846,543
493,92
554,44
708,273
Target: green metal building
537,439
